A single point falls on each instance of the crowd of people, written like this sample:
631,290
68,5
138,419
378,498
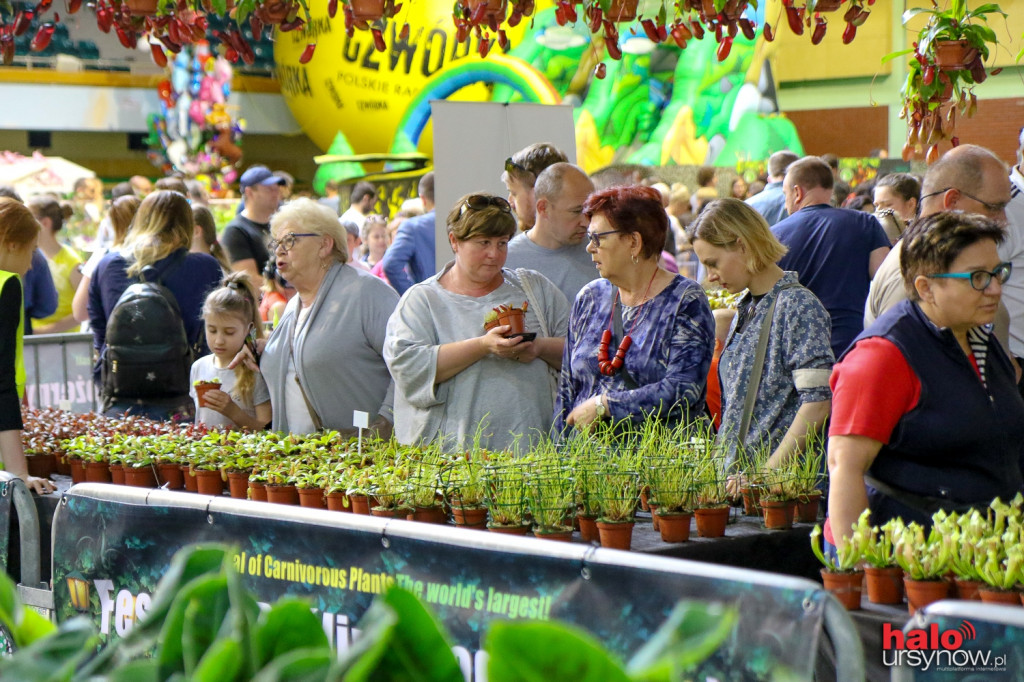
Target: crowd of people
883,316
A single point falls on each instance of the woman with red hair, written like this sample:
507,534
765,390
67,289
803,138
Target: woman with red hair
640,339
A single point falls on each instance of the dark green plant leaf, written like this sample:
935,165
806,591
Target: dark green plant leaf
540,652
361,658
245,613
221,663
299,665
205,614
287,626
145,670
693,631
55,657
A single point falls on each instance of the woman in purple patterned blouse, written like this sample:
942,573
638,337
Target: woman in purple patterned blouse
640,339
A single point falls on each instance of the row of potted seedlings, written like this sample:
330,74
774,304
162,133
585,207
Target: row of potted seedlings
976,555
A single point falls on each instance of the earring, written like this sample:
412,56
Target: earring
635,259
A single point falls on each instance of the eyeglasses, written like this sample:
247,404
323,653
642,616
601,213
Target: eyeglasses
479,202
513,167
998,207
287,242
981,279
595,237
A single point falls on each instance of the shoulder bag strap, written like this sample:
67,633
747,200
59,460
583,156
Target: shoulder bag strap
755,373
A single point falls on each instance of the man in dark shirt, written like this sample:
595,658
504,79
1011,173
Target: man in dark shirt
245,238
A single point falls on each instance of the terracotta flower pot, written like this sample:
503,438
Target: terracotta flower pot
257,491
470,517
655,521
142,7
807,507
827,5
588,528
993,596
389,513
622,10
615,535
41,466
97,472
169,474
202,389
63,465
921,593
77,471
515,318
360,503
885,585
338,501
674,526
561,535
189,479
778,514
846,587
969,590
282,494
495,8
140,477
432,514
954,55
238,484
117,474
209,482
367,10
751,501
711,521
509,530
313,498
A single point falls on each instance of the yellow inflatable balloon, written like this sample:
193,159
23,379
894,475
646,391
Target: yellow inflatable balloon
349,86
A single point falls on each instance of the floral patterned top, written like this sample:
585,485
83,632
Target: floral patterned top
797,365
673,341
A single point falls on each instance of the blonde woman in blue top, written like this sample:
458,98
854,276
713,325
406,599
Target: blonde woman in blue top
793,399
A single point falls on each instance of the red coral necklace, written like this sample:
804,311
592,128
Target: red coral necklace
610,367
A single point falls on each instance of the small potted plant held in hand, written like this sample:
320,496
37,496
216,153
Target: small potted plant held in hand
203,387
509,315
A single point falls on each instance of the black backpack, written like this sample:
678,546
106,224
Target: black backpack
148,354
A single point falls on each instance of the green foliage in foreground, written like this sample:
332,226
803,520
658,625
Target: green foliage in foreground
205,626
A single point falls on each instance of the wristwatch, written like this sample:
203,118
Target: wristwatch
599,407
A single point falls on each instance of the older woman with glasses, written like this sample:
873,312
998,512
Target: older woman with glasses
453,379
324,359
640,340
925,410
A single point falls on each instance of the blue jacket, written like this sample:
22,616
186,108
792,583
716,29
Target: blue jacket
40,293
410,259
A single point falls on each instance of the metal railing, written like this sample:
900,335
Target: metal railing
59,372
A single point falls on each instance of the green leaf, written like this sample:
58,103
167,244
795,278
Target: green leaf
299,665
55,657
539,652
33,627
692,632
146,670
287,626
222,662
205,615
377,626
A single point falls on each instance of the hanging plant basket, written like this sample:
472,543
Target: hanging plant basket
367,10
622,10
495,8
954,55
828,5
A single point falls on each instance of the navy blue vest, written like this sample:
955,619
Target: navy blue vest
962,444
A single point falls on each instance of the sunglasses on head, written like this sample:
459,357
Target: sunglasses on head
479,202
513,167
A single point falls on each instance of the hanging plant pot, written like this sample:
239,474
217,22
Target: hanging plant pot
169,474
495,8
367,10
954,55
209,482
674,527
140,477
885,585
622,10
117,474
921,593
828,5
141,7
846,587
312,498
711,521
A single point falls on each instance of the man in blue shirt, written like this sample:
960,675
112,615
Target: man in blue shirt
834,251
771,202
410,258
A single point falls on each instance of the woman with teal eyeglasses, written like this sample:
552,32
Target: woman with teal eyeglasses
926,414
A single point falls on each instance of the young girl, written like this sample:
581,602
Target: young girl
243,399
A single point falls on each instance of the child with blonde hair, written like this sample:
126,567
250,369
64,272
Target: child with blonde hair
230,315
